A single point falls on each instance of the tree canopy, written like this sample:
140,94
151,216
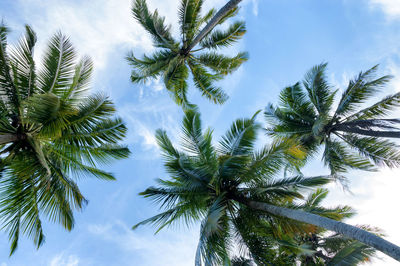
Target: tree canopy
353,137
172,61
52,133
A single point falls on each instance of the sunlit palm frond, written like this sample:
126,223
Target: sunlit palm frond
339,158
154,24
21,59
9,94
204,81
381,152
318,89
58,65
149,66
359,90
240,138
219,39
222,64
80,82
379,109
189,19
213,244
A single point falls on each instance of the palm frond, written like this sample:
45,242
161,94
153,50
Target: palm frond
153,24
240,138
377,110
294,100
175,80
19,210
189,19
339,158
319,91
222,64
21,58
186,212
212,246
193,139
283,123
149,66
219,39
359,90
203,80
381,152
353,254
80,82
9,94
288,187
58,65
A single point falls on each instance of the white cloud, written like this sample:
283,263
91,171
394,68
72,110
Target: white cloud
153,110
394,70
374,197
255,7
390,7
64,260
176,249
98,28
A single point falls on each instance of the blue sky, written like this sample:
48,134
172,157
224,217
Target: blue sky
285,38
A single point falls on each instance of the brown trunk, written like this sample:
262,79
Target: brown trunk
7,138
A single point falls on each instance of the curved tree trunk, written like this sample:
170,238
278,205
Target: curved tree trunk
332,225
364,127
7,138
213,22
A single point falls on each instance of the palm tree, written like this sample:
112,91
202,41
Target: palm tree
269,246
213,184
353,137
174,59
52,133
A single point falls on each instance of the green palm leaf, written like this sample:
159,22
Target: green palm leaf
359,90
153,24
218,38
305,115
58,65
175,61
52,133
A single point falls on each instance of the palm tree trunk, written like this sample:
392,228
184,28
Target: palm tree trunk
332,225
213,22
363,127
7,138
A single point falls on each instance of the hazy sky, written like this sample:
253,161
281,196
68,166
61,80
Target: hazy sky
285,38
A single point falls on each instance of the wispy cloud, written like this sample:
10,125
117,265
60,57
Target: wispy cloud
255,7
153,110
374,196
390,7
97,27
150,247
64,260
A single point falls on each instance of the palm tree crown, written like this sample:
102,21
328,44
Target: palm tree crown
173,59
216,184
51,133
352,136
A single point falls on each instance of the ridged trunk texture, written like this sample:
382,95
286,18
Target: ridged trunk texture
332,225
7,138
213,22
